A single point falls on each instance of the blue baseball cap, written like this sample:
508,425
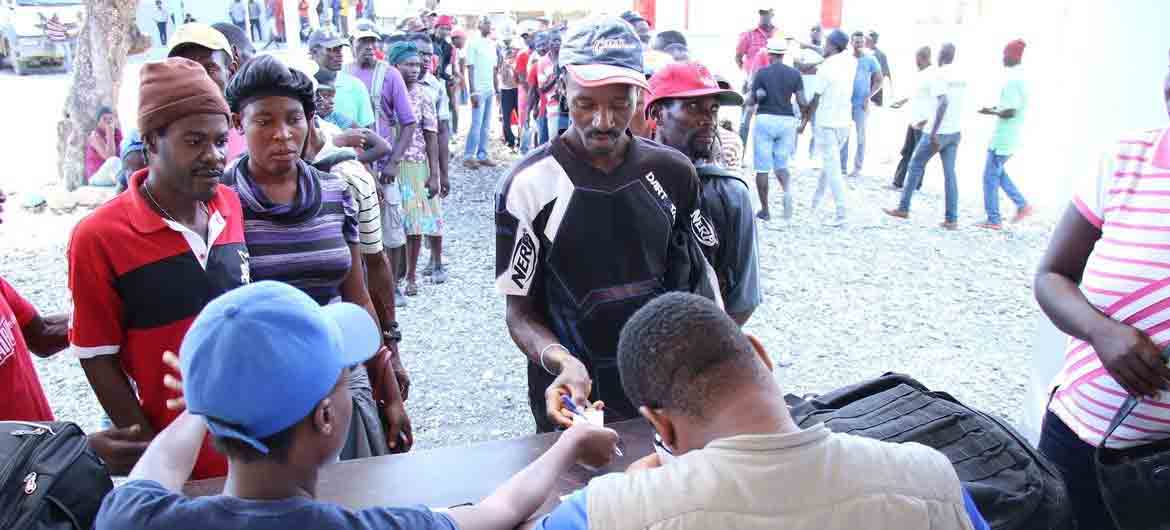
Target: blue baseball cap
259,358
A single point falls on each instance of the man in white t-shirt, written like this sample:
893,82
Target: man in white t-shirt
920,106
832,109
482,60
941,135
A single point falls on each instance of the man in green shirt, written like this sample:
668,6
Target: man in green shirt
1013,102
352,99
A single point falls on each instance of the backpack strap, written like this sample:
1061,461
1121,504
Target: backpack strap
376,91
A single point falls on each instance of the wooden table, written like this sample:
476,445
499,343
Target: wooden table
450,476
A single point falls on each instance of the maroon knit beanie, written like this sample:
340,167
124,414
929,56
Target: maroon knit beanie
173,89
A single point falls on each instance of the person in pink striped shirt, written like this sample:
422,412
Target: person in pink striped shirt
1105,281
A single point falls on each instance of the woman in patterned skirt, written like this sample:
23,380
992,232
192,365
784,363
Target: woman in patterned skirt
421,189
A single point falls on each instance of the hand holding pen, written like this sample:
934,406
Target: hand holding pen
592,416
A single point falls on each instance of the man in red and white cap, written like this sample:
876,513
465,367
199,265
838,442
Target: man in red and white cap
1013,104
684,101
447,72
591,227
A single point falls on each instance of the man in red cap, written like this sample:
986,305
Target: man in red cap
143,265
1013,101
684,101
447,73
591,227
749,46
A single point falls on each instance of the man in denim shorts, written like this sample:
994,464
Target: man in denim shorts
772,91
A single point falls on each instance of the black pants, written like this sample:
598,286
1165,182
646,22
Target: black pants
509,103
162,33
1074,458
257,33
912,137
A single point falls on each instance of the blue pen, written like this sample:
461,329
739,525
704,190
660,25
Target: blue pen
568,403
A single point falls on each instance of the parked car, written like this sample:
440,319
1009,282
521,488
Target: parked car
24,41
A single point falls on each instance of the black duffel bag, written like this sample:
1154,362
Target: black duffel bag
50,478
1014,487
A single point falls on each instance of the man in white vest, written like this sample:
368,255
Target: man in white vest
731,455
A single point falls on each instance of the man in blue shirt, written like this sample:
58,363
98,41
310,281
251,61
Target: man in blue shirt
280,413
867,83
729,455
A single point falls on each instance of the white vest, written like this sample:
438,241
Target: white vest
809,480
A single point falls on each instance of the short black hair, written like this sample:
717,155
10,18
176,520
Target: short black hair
858,34
235,37
668,37
873,35
278,445
419,36
681,352
268,76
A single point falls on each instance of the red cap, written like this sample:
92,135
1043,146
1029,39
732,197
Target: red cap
445,20
688,80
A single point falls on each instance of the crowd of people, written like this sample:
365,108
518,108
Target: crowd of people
833,81
277,206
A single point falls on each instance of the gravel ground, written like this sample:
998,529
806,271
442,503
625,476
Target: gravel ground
953,309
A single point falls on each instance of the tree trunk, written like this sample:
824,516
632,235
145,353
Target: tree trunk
102,49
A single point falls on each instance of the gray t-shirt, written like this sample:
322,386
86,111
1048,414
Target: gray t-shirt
146,505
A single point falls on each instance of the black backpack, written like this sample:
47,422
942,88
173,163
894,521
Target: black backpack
1014,487
50,478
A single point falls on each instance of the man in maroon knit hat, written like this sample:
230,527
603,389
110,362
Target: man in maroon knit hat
143,265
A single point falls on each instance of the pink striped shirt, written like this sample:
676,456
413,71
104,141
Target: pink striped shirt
1127,200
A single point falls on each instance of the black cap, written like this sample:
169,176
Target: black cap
326,38
603,51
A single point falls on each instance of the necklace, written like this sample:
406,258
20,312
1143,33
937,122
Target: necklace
146,189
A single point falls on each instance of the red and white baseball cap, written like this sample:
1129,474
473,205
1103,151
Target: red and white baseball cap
688,80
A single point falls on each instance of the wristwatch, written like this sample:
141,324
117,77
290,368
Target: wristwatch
392,334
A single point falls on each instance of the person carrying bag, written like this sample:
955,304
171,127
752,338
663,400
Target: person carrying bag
1135,483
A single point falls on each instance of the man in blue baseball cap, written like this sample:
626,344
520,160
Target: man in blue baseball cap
591,227
264,370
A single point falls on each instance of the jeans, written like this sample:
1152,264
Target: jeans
509,100
912,137
994,178
554,125
948,145
773,145
67,59
162,33
1074,458
542,130
481,124
859,116
257,30
829,140
525,136
745,124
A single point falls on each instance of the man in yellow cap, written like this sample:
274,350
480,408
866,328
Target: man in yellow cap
212,50
208,47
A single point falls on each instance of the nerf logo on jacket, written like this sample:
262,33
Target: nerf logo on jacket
662,196
704,230
523,258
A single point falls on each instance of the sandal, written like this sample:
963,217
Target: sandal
412,289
